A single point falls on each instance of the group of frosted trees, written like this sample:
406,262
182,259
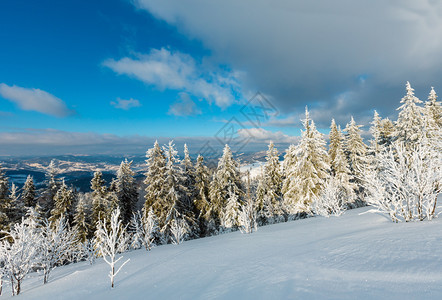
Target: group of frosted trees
398,172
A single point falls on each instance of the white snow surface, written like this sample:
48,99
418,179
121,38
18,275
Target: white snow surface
355,256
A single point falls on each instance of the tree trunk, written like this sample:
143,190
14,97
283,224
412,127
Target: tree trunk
112,277
45,277
12,286
18,287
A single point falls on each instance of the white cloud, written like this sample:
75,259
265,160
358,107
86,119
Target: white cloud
174,70
35,100
125,104
184,106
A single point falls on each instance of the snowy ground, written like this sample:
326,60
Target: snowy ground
351,257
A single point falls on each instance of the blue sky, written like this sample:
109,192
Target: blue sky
89,73
60,46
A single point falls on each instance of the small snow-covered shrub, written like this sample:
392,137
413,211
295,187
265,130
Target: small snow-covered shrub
406,183
331,200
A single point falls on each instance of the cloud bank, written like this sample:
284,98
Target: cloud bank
37,142
339,57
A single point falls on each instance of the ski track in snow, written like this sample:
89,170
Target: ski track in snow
350,257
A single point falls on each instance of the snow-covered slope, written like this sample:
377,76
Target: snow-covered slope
351,257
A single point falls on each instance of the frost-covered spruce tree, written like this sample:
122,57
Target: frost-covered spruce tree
433,109
356,152
247,215
375,130
189,176
410,123
154,181
335,146
226,181
273,185
126,190
387,130
288,162
100,203
17,211
339,167
64,199
52,187
82,224
229,217
304,179
29,194
111,242
201,200
175,204
433,120
151,230
261,203
144,231
5,201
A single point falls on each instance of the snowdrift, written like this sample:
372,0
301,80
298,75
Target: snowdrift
357,256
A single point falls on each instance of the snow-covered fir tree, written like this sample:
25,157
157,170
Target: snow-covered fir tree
289,160
247,215
154,181
29,194
189,175
433,119
261,203
144,231
64,199
375,130
387,130
305,177
5,201
82,224
433,108
355,151
17,210
226,181
175,202
126,190
151,230
201,200
100,203
273,185
410,122
229,217
52,187
339,167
